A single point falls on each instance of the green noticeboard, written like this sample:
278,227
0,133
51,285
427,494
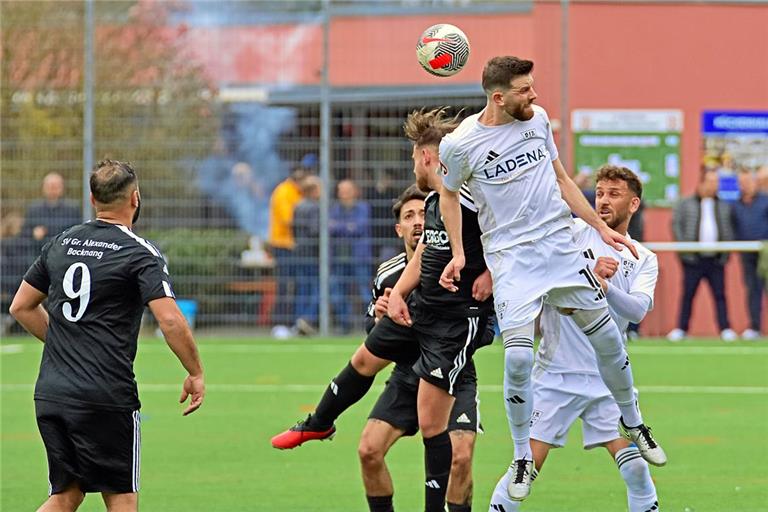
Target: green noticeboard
645,141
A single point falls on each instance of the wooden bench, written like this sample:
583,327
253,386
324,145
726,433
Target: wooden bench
266,287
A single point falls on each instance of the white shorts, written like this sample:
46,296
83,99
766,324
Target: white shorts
552,269
560,398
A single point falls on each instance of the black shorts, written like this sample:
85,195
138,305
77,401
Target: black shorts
98,449
446,344
393,342
397,403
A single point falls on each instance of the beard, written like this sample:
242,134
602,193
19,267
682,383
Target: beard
413,243
616,220
422,182
521,112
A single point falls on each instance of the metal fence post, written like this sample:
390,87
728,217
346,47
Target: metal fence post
325,176
88,79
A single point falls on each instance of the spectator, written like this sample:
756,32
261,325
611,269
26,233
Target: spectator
51,215
350,230
306,233
750,222
762,179
284,199
14,260
381,196
703,218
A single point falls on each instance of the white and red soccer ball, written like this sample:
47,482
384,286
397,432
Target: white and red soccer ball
443,50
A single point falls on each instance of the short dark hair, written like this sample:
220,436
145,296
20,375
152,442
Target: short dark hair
429,127
409,194
616,173
500,71
112,180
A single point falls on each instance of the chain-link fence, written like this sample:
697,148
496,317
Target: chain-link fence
218,103
209,160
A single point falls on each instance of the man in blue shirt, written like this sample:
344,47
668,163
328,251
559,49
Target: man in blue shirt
51,215
351,252
750,222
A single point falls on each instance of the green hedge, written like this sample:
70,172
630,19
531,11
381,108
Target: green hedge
200,261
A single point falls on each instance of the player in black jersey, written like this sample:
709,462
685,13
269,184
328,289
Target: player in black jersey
447,322
457,326
98,276
394,414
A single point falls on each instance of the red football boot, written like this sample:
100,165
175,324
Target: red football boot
299,434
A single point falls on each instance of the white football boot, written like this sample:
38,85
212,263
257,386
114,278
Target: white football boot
519,486
642,437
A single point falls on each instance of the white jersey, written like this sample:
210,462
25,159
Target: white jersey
509,171
564,348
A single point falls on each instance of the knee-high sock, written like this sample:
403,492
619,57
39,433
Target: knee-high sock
380,503
500,501
613,363
345,389
518,395
438,456
641,493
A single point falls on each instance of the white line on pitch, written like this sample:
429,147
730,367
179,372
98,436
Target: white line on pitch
349,349
272,348
306,388
275,348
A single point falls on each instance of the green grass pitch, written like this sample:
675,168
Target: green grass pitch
707,402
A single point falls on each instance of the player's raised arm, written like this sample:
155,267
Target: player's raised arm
27,309
179,337
579,205
450,209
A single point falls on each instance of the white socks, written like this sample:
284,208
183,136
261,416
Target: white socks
612,360
641,493
518,397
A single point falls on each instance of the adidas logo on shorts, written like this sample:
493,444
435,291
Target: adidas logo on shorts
437,372
463,418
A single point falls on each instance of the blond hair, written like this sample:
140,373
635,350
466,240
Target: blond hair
428,128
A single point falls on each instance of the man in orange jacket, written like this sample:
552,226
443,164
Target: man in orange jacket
283,201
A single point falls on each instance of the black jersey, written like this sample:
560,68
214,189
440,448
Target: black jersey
437,254
386,277
98,277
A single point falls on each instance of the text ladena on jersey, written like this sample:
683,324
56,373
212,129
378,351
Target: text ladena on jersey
512,164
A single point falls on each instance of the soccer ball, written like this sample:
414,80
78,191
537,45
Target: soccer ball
443,50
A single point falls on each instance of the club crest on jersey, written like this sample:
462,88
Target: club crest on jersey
627,267
528,134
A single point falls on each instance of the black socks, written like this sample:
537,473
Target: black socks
344,391
437,461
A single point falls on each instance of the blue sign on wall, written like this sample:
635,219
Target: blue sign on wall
716,121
